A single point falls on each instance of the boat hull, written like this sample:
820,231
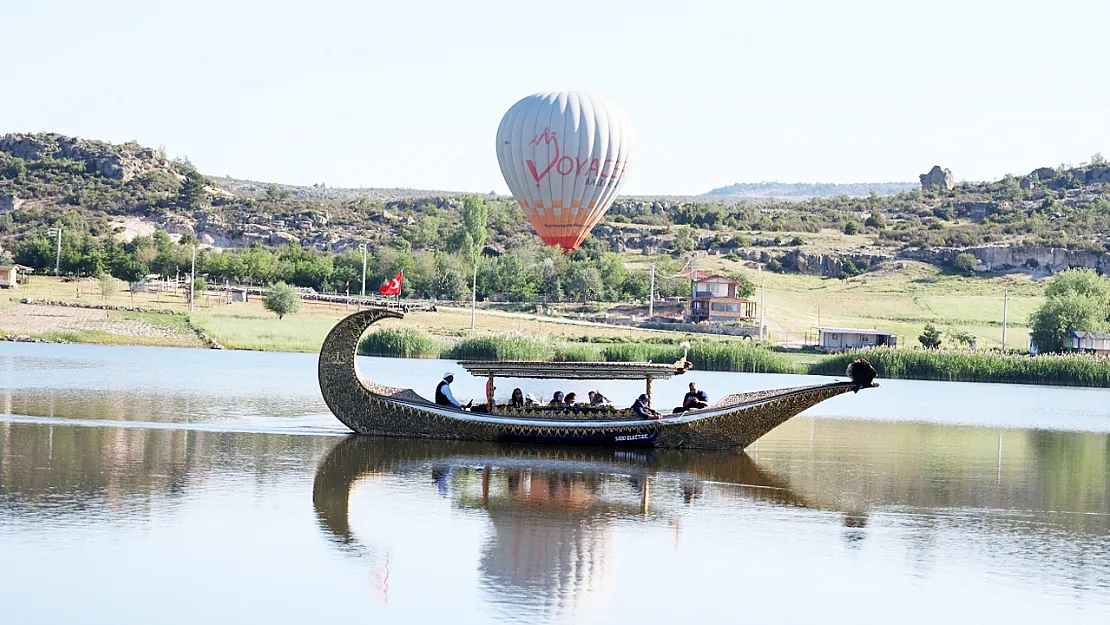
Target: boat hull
369,408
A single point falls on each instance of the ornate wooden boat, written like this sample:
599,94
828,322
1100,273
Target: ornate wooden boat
735,421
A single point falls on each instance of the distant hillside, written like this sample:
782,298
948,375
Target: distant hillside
100,191
806,190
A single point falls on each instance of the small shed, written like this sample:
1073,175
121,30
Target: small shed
838,339
237,295
1091,342
12,276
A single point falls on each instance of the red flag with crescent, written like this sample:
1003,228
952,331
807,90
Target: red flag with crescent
393,287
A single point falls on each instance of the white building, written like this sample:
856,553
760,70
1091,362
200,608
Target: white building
838,339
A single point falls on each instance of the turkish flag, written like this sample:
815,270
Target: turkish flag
393,287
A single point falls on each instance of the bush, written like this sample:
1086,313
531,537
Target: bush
965,262
282,299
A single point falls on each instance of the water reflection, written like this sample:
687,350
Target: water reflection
552,510
934,523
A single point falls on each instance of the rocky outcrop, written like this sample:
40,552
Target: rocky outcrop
120,162
938,179
832,265
1028,258
9,202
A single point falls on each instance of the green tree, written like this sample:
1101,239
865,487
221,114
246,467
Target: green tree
966,339
193,193
1085,282
1076,300
585,282
1053,323
109,287
965,262
744,287
683,239
16,169
851,227
282,299
930,337
876,220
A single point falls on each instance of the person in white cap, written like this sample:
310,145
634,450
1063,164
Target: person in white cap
444,397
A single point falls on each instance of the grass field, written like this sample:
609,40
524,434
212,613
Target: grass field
901,299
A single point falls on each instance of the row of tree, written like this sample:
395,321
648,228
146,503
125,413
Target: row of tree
524,274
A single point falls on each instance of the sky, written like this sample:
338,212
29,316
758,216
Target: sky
410,94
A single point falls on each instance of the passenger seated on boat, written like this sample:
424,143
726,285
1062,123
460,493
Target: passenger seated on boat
517,400
444,397
531,400
570,400
556,399
597,399
642,408
694,400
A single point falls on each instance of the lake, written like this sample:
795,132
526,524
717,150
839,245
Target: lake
150,485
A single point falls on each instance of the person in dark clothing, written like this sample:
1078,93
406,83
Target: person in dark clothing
571,399
517,400
695,399
444,397
642,408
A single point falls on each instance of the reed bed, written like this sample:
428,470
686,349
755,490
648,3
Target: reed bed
578,352
501,347
705,355
400,343
951,365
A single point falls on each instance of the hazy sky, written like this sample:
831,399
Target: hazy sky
410,93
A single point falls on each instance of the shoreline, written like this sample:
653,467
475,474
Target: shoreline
1065,370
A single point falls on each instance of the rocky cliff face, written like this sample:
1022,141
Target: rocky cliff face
1029,258
119,162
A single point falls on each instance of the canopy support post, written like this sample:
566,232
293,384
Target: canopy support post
648,391
489,393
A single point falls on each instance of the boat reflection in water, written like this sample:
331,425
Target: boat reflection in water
552,509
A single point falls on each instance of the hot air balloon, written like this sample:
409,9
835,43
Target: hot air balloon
565,156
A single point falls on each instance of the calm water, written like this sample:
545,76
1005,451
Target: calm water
142,485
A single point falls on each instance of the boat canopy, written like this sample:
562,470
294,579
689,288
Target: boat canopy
574,370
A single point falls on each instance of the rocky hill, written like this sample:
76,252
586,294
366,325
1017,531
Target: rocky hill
121,191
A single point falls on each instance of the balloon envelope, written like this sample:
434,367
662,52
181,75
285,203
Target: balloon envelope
565,156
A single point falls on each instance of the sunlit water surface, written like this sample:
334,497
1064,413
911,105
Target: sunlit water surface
145,485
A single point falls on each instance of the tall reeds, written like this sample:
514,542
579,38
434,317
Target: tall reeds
400,343
918,364
501,347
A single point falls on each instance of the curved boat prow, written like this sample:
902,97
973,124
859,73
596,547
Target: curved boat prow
369,408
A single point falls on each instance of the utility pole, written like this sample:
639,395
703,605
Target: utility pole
651,294
58,258
192,277
362,246
1005,309
762,302
474,297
